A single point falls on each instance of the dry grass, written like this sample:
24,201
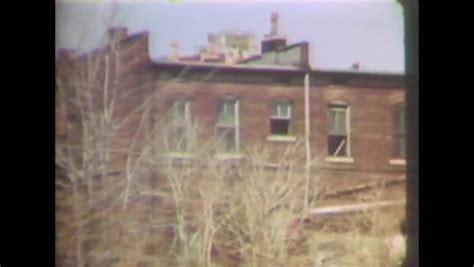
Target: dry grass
217,214
354,245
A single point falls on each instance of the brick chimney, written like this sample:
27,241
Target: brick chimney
175,50
273,40
117,34
212,43
274,24
356,66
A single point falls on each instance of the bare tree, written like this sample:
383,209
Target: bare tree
113,146
107,121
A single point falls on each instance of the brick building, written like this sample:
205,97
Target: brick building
356,119
352,122
356,132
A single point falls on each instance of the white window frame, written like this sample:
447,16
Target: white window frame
279,116
347,108
184,124
236,126
282,137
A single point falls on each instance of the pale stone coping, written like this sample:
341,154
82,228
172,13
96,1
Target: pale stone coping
397,162
229,156
340,159
281,138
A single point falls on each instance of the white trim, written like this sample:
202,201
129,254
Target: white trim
397,162
339,159
236,124
307,127
176,111
176,123
229,156
281,138
348,131
279,108
347,118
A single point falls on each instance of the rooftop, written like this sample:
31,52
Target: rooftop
203,65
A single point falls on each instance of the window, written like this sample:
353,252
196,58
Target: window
180,120
228,126
280,117
399,132
338,138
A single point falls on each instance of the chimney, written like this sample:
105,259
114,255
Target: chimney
305,55
175,51
212,43
274,40
117,34
356,66
274,23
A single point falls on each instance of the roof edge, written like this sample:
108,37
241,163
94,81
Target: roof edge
237,67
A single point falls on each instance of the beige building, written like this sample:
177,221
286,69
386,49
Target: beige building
223,47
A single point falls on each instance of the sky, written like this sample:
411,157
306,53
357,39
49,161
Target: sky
340,32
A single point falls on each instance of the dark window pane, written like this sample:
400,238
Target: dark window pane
402,146
399,131
280,126
400,119
337,146
400,149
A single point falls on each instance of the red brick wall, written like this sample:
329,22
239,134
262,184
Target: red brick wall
371,116
371,108
371,119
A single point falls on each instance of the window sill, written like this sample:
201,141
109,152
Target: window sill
179,155
339,159
229,156
281,138
401,162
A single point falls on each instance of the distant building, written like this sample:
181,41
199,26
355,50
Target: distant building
357,127
224,47
243,48
275,50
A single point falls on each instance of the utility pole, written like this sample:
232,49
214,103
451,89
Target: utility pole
307,142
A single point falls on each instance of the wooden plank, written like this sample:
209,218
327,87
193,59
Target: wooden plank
363,187
341,209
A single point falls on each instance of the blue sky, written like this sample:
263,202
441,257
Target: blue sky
340,32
